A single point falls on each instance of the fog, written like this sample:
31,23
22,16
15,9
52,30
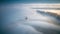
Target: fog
14,22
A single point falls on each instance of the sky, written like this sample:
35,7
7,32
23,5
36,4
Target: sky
30,1
14,12
13,20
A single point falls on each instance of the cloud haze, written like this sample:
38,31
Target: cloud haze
13,20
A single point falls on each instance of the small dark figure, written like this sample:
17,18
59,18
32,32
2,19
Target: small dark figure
26,18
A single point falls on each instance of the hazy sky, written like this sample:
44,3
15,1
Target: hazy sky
15,10
31,1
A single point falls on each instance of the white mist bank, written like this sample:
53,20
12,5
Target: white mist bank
13,13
